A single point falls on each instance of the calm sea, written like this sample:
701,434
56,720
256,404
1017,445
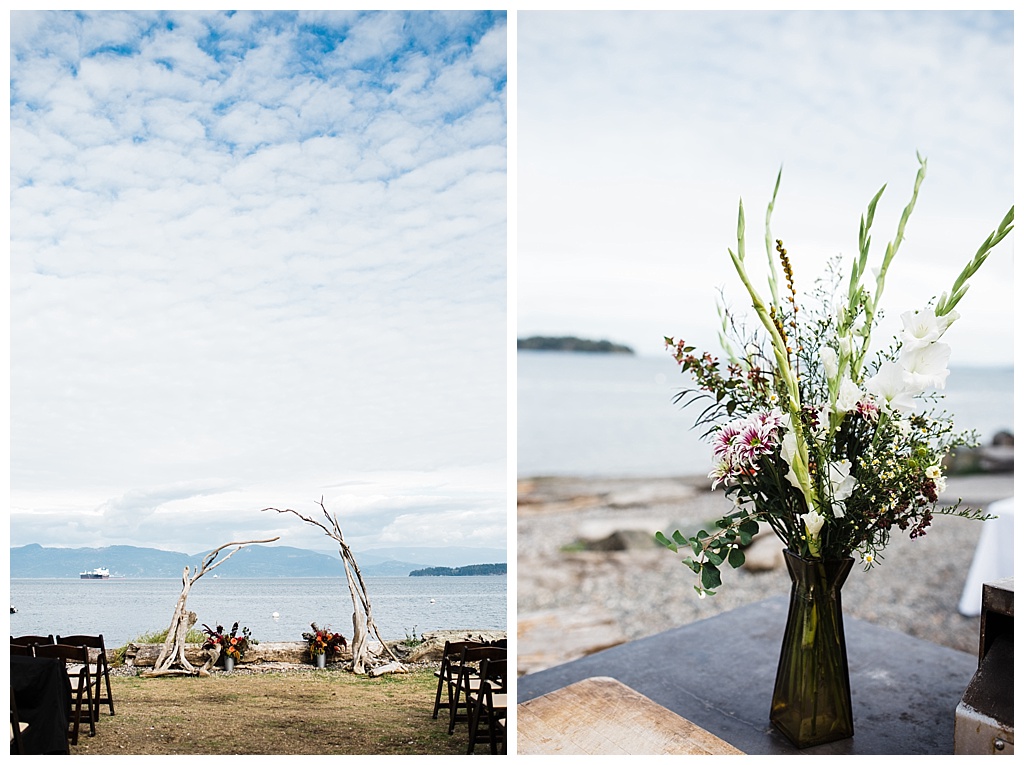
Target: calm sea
122,609
612,415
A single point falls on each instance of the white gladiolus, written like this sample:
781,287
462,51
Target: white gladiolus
813,520
926,366
891,387
849,395
922,328
842,483
788,451
831,362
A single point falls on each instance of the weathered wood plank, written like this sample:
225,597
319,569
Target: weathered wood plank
600,715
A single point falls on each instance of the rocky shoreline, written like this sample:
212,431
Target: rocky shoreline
586,556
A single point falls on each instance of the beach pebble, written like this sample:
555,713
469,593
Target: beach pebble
915,588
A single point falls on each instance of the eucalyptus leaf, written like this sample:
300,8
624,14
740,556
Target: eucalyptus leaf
662,539
736,557
710,577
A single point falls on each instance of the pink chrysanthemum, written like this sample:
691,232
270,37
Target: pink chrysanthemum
725,438
755,441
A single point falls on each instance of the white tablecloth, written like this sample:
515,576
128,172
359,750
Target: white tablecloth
993,557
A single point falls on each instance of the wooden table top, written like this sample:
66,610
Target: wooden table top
600,715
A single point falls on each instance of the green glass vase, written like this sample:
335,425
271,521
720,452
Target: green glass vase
811,703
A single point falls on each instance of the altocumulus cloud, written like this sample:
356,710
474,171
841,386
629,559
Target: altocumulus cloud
256,259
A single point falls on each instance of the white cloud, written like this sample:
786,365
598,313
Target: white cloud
239,262
639,132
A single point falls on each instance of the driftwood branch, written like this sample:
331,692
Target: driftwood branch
362,612
208,561
172,659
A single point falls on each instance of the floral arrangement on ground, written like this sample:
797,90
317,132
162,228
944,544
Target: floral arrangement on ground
829,443
323,641
231,643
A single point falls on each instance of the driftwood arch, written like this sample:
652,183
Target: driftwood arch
362,612
171,660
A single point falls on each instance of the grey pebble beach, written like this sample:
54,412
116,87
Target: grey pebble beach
915,589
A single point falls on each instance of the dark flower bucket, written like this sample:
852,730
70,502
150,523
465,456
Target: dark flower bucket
811,704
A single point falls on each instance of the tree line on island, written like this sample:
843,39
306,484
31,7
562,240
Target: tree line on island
480,569
573,344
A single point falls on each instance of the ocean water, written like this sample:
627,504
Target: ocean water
613,415
123,609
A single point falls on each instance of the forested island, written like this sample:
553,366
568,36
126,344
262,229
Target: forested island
574,344
480,569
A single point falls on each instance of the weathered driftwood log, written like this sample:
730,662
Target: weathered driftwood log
145,654
391,668
430,650
432,647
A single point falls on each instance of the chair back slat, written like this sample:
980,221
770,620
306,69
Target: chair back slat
32,639
75,654
97,651
493,671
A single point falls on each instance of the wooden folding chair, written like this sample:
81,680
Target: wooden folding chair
448,675
17,728
489,705
31,640
76,665
469,680
99,668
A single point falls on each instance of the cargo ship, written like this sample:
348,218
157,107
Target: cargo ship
96,573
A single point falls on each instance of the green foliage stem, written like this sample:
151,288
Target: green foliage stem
947,302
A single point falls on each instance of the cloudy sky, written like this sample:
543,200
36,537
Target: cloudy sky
256,259
638,133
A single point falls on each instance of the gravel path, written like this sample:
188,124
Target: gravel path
915,589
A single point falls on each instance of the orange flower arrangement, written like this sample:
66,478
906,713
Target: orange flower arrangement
324,641
231,644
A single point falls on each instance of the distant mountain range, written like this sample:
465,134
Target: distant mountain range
256,561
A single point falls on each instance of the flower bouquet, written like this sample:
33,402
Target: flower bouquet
828,445
323,642
231,644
